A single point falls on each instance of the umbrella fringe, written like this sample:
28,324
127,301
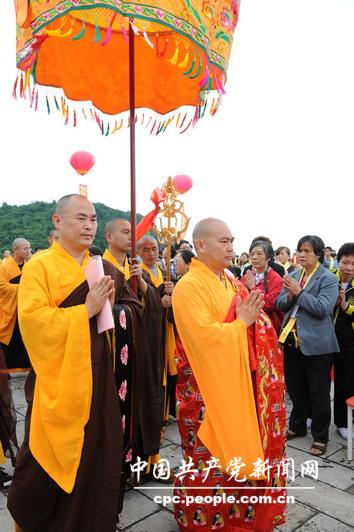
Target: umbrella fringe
25,87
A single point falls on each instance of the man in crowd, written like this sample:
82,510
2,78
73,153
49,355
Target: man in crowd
330,262
68,470
10,274
149,252
228,362
6,253
118,237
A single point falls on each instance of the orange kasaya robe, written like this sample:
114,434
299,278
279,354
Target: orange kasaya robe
219,358
59,346
9,272
107,255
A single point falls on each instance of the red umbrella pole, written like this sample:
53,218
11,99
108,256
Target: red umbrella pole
132,148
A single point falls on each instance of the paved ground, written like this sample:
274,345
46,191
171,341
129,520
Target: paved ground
327,508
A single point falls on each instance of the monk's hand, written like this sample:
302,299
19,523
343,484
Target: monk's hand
291,286
98,294
249,280
136,271
166,301
249,310
169,286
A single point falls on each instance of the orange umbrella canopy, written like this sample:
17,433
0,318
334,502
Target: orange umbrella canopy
182,50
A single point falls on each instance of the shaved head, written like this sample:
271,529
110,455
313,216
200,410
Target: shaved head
213,242
75,219
118,234
148,250
65,202
207,227
112,225
22,250
19,242
146,239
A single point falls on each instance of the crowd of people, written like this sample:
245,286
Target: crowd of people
207,337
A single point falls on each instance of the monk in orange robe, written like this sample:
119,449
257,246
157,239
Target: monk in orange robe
13,355
227,393
68,470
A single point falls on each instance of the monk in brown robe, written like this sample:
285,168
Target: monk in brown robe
149,368
68,470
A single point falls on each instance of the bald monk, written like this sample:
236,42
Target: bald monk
53,235
6,253
10,338
150,367
67,474
148,251
230,387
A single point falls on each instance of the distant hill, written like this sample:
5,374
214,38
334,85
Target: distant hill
33,222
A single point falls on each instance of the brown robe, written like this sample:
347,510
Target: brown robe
35,501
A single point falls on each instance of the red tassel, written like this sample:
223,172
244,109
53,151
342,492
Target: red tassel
153,127
36,104
187,126
22,94
74,118
32,96
14,91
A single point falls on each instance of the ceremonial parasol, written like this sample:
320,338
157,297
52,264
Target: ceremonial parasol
163,60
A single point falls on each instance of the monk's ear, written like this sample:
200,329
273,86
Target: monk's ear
56,218
108,237
199,245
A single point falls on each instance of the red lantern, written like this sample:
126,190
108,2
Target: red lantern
82,162
182,183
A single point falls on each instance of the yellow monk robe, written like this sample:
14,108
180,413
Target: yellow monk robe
59,346
9,270
107,255
158,279
218,355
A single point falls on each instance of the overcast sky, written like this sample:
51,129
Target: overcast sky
277,158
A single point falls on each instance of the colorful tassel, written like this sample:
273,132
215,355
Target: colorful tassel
185,129
108,36
185,61
146,37
14,90
125,34
74,118
204,79
97,34
48,106
32,96
197,74
36,101
174,58
56,104
81,33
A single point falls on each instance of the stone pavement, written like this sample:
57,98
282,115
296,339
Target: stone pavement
327,508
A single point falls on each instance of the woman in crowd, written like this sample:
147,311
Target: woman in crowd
244,262
308,298
182,261
262,277
282,256
344,327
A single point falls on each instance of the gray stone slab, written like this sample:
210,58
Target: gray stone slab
162,521
296,514
6,522
330,472
340,457
326,499
160,491
3,501
173,454
136,507
172,434
324,523
304,444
